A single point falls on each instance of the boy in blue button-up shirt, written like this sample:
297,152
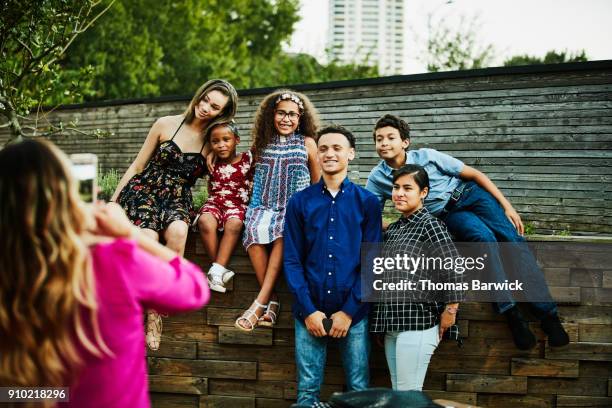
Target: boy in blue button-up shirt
325,225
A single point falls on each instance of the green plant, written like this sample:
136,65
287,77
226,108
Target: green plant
551,57
566,232
390,217
108,182
199,197
529,228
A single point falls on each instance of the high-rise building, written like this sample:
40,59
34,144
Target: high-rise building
371,30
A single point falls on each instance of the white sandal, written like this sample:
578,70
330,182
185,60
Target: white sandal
248,315
271,313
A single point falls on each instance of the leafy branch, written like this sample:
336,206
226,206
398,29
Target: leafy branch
35,35
448,50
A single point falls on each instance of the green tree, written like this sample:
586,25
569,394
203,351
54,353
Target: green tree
146,48
551,57
289,69
149,47
34,36
448,50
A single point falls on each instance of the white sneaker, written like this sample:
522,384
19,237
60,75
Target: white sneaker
215,282
218,276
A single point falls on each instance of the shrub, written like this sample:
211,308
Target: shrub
108,182
199,197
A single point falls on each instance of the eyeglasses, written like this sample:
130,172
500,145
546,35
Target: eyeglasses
281,115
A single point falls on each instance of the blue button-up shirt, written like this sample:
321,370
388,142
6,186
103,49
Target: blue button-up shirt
322,248
443,171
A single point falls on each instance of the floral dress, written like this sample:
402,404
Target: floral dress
228,190
161,194
281,170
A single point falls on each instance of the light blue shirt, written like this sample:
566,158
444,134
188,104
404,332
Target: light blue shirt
443,171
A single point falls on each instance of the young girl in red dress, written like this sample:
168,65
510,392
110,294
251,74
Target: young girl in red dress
229,186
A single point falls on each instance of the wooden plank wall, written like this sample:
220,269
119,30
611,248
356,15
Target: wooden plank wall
205,362
543,134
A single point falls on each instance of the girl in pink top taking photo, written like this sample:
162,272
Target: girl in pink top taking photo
74,283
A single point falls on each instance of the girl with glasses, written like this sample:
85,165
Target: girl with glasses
285,161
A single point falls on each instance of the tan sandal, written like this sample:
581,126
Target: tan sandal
154,330
272,312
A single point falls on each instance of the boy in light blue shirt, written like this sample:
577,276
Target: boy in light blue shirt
443,171
474,210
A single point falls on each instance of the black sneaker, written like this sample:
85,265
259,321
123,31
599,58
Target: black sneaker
557,336
521,333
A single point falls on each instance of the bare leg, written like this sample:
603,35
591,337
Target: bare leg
207,224
267,269
258,254
275,264
153,326
231,234
176,236
151,233
259,259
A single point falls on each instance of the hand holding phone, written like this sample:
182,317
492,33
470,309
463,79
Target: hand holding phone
85,171
314,323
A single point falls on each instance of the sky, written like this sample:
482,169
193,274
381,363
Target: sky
511,26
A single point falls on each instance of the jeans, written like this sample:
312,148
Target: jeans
478,217
408,354
311,353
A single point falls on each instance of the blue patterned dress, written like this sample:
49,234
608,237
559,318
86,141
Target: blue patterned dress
280,171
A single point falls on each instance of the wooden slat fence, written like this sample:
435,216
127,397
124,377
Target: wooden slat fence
543,134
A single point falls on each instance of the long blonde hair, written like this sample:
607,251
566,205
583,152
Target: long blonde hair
227,113
263,126
47,290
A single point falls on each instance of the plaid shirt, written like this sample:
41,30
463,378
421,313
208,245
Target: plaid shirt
417,235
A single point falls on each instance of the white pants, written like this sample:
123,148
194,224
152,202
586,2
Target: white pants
408,354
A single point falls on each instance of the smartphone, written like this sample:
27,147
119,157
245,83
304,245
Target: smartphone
85,171
327,324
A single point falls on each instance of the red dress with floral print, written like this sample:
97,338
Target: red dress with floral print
229,188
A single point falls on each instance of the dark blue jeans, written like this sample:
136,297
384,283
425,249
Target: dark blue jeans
311,353
478,217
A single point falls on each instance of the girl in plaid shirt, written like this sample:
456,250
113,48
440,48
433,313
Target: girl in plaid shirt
413,322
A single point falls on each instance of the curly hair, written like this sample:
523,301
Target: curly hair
47,290
395,122
263,127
